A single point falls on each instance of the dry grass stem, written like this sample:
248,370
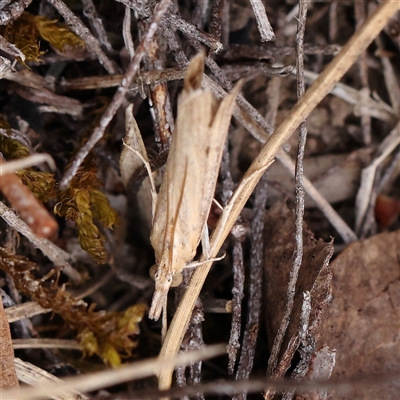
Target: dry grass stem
30,161
374,107
368,174
321,87
127,34
99,82
33,376
43,343
103,379
24,310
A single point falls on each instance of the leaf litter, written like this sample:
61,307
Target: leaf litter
58,98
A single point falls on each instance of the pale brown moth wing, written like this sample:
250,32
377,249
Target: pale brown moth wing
181,190
185,196
216,138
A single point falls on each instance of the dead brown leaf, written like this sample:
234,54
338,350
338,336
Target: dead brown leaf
363,322
8,377
315,277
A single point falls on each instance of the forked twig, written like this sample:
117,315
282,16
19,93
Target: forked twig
119,96
322,86
77,26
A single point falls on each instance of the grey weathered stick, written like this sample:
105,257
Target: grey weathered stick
10,48
76,25
250,335
13,11
322,86
298,249
237,297
89,11
127,34
177,22
98,82
58,256
119,95
264,27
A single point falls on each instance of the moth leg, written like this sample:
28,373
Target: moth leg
164,321
205,241
195,264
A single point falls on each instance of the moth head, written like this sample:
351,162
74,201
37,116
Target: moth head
162,278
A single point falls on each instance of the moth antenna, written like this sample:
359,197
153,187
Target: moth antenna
218,204
197,263
146,164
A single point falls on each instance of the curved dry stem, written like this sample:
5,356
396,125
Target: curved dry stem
321,87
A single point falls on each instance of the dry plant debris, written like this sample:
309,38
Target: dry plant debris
98,87
363,321
314,278
8,376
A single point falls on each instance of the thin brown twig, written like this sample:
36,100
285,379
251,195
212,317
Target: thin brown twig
298,250
30,209
306,348
91,43
119,96
100,82
89,11
160,104
173,18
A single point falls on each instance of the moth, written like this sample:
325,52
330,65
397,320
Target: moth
187,189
